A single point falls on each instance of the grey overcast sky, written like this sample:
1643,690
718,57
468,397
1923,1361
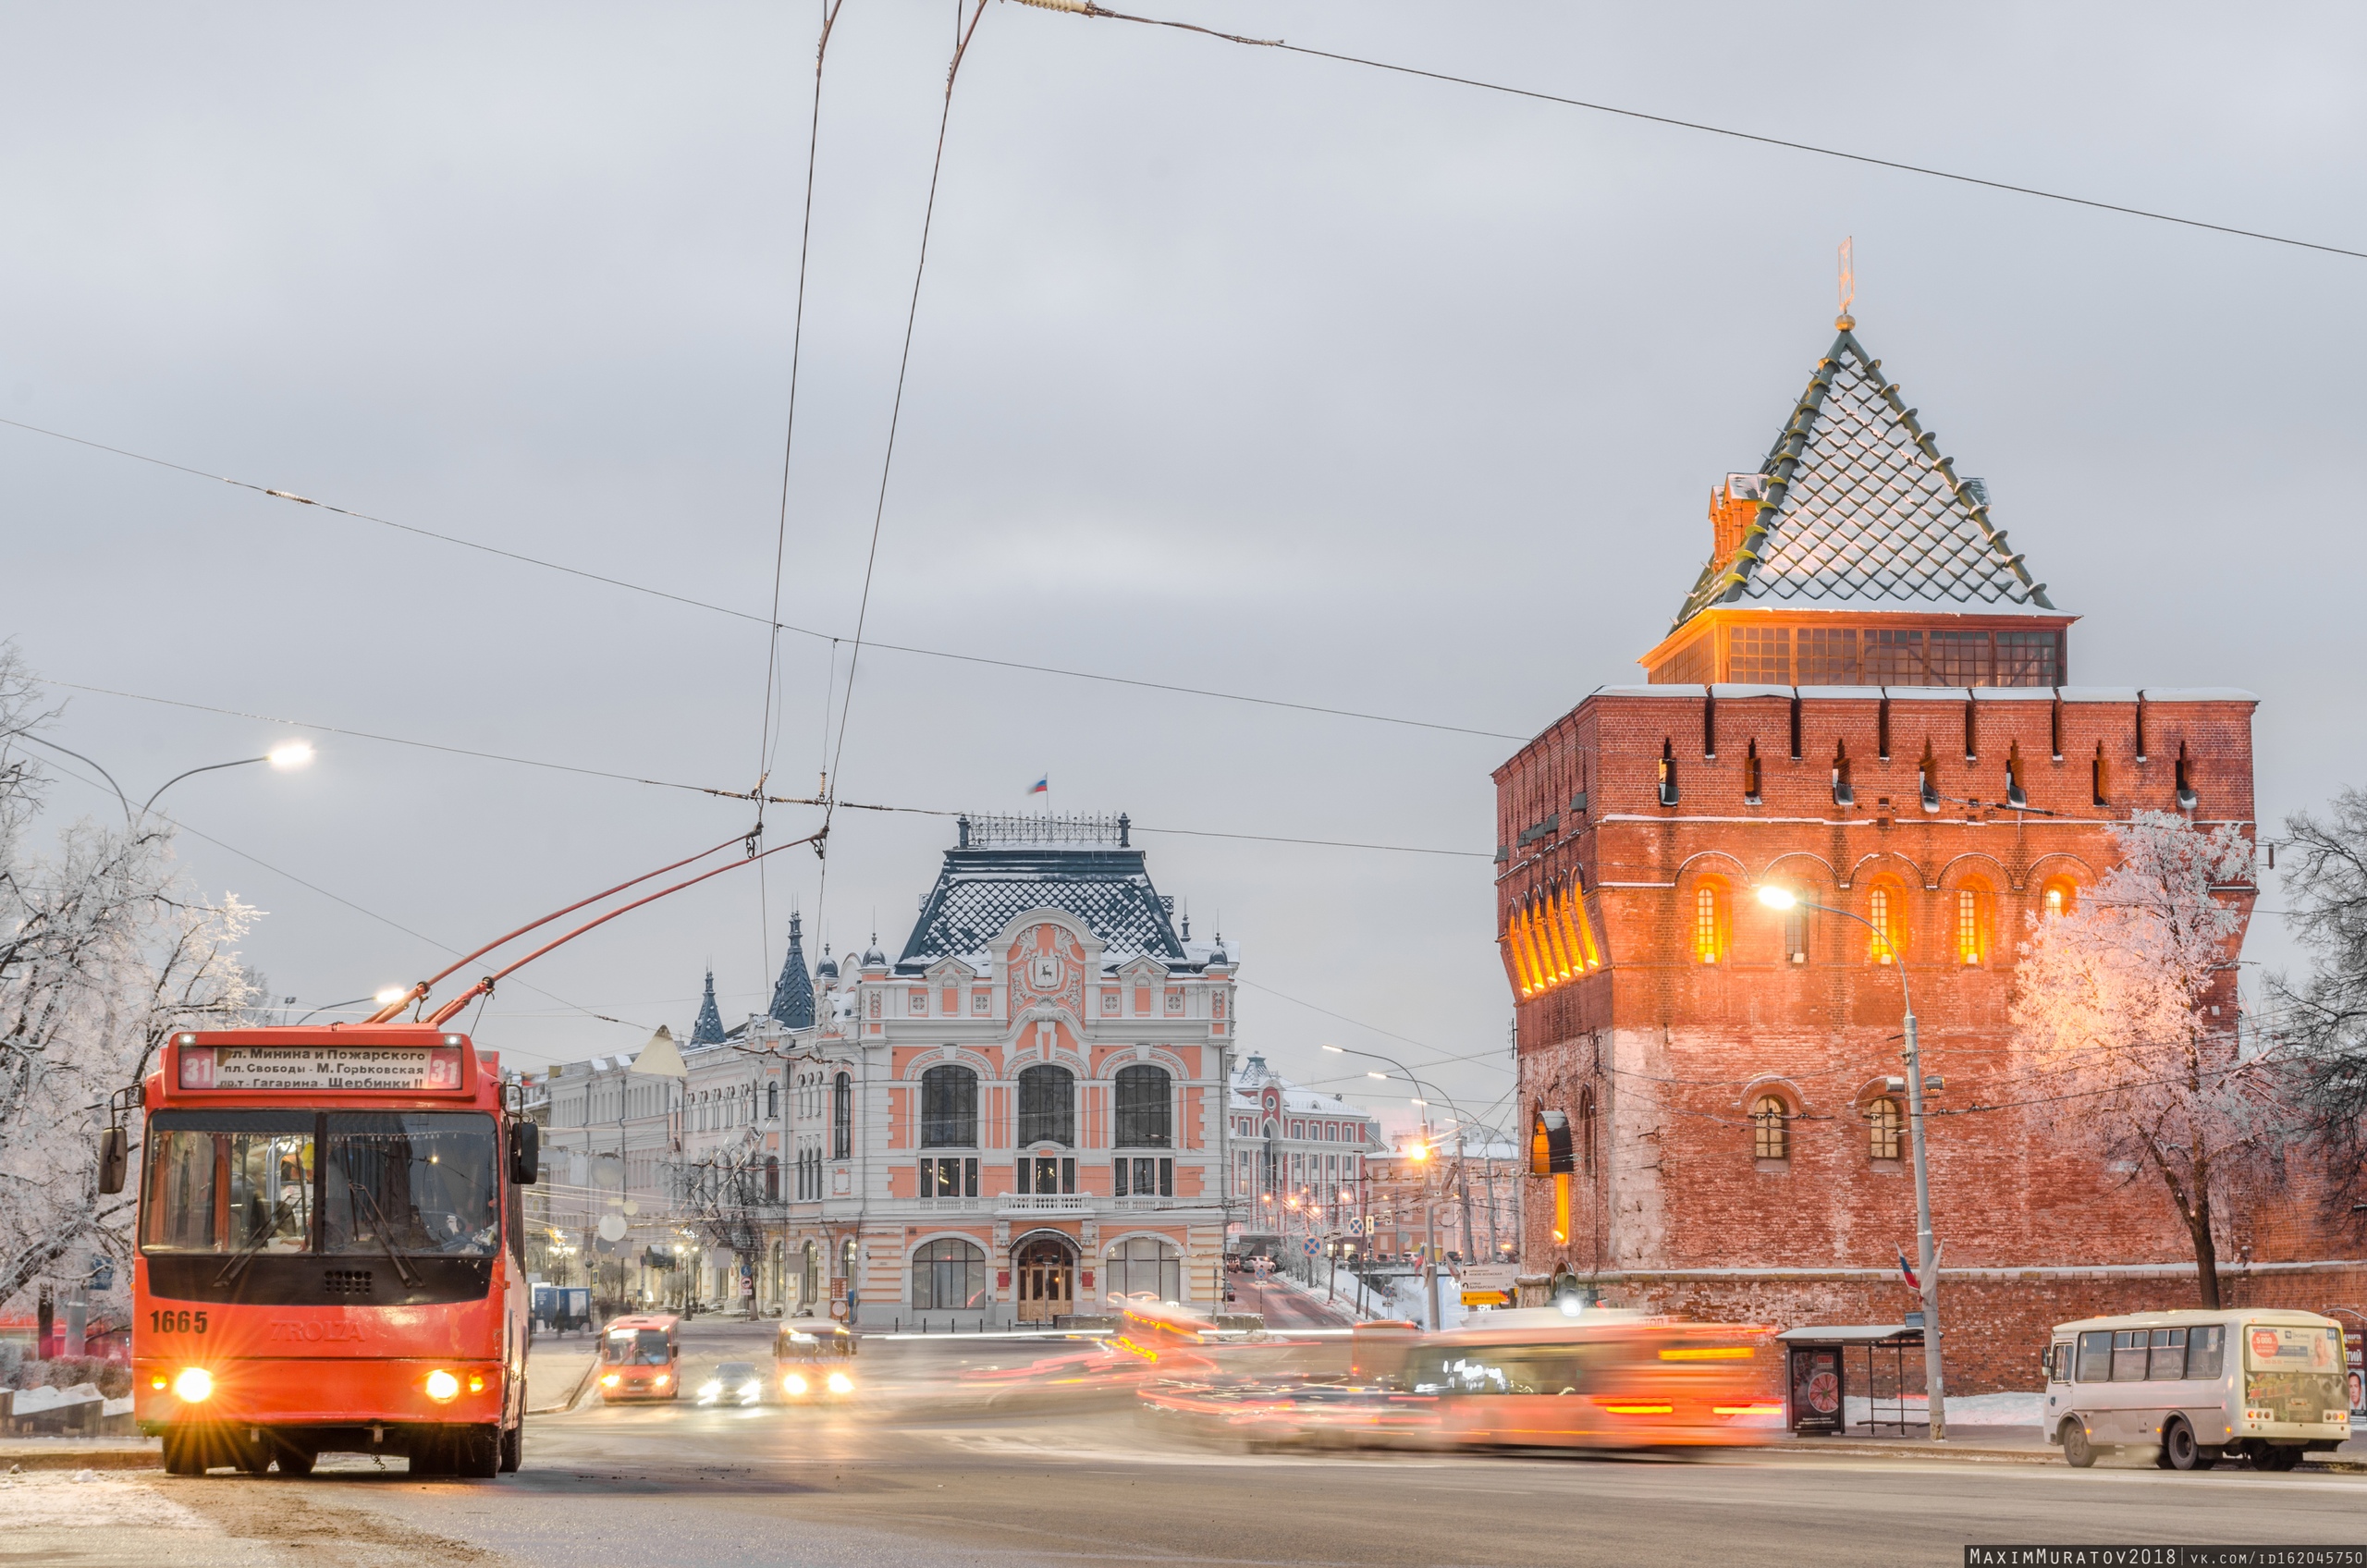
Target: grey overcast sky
1233,369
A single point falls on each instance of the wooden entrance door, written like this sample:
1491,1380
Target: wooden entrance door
1047,1272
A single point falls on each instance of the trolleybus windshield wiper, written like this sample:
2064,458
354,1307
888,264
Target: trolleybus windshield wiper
403,1264
236,1264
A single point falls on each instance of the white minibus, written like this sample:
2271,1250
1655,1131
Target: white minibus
2194,1386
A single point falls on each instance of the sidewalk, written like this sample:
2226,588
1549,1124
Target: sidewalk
558,1371
2018,1445
23,1454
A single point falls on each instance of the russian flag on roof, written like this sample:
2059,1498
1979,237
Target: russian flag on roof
1042,785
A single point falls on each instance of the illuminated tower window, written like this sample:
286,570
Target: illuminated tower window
1972,935
1708,923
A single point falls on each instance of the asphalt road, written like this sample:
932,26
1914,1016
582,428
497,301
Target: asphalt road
1283,1308
918,1473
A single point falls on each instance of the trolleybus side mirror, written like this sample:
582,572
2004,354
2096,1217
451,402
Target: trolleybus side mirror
115,1158
525,1153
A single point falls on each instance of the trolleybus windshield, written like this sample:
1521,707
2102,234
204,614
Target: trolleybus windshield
228,1180
249,1182
410,1182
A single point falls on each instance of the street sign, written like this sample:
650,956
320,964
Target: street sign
1356,1225
1310,1246
1498,1277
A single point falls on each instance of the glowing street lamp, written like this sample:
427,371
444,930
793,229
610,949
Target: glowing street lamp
1927,1249
286,755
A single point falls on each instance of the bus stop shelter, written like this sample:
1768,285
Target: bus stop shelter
1828,1366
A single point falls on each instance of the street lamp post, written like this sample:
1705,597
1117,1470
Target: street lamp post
1421,1155
289,753
1927,1249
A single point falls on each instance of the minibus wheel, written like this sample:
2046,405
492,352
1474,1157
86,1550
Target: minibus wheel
2270,1456
2077,1451
2180,1451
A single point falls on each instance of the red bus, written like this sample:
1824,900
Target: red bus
330,1250
640,1357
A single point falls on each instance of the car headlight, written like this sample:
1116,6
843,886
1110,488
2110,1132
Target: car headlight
708,1390
840,1383
751,1389
442,1385
793,1384
194,1384
610,1381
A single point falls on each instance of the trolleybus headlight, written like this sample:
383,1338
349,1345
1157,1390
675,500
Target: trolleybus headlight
840,1383
442,1385
476,1384
792,1384
194,1384
159,1381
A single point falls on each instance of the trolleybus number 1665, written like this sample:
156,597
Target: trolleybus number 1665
177,1322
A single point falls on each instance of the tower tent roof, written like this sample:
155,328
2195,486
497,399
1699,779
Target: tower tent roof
793,992
708,1030
1860,510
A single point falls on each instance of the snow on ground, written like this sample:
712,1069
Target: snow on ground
41,1498
1964,1410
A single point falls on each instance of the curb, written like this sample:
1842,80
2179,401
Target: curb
575,1394
87,1459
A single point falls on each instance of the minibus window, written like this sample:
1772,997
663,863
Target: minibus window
2206,1350
2058,1362
644,1347
2129,1355
2166,1356
2095,1356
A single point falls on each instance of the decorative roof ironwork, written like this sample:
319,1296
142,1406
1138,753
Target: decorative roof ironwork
793,992
1862,511
980,890
980,830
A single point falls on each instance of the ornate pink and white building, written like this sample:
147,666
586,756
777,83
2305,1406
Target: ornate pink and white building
1022,1114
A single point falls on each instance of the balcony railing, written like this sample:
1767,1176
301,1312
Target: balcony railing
955,1206
1035,1203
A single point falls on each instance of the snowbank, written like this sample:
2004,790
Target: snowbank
1964,1410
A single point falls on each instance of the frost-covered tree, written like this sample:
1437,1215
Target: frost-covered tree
2113,1004
2324,1017
103,952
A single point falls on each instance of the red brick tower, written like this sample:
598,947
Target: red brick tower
1863,696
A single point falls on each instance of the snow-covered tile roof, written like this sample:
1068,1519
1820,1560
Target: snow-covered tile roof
1862,511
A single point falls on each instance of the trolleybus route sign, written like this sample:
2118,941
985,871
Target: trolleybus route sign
395,1069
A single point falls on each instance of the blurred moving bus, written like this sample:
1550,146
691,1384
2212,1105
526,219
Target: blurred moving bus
330,1253
2269,1386
1543,1378
812,1360
640,1357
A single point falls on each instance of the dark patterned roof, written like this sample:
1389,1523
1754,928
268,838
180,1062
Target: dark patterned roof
793,992
1862,511
980,890
708,1030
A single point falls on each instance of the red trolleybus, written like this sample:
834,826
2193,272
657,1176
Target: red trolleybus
330,1254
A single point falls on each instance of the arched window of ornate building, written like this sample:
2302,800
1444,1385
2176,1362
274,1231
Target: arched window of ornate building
2058,897
1146,1119
842,1117
949,1275
772,1178
948,1108
1771,1134
1046,1106
1882,1128
1709,919
772,1102
1886,911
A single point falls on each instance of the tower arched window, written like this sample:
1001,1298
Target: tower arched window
1586,1127
842,1117
1972,923
1882,1128
1886,912
1709,921
2058,897
1770,1134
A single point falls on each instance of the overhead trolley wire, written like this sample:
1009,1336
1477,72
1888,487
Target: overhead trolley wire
1085,9
767,741
703,789
688,602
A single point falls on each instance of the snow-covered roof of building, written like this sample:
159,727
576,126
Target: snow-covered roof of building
1252,1075
980,890
1861,511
